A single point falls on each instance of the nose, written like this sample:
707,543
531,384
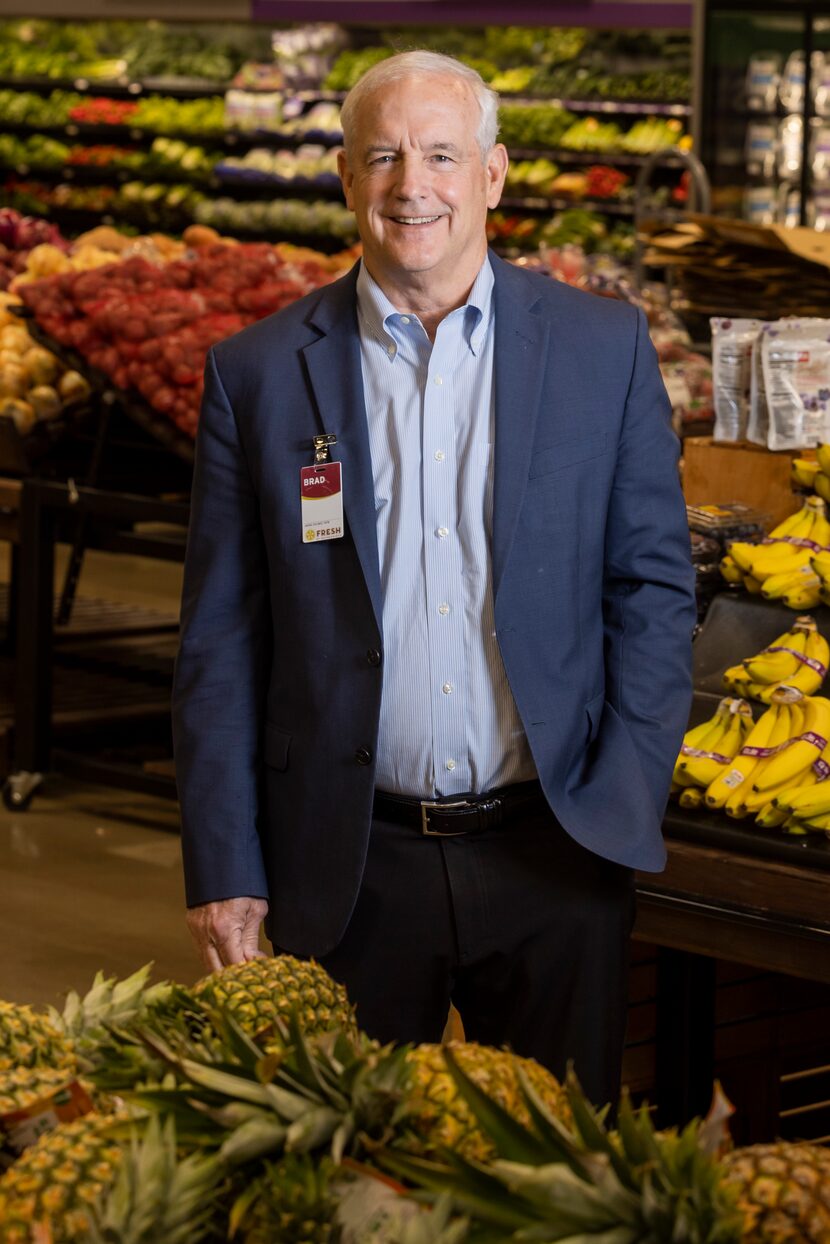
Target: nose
411,182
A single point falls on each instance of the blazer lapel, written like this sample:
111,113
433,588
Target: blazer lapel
334,372
521,350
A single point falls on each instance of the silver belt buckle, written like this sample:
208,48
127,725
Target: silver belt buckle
428,806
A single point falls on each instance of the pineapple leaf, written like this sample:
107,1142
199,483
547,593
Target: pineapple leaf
253,1140
630,1130
469,1186
511,1139
313,1129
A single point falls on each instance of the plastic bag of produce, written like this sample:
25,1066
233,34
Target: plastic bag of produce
795,356
732,342
757,429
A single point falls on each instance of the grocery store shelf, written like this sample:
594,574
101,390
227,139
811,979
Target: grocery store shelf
557,203
230,139
121,88
251,184
628,107
562,155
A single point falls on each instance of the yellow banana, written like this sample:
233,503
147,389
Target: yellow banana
793,760
734,775
753,585
817,822
730,570
704,769
821,483
797,523
691,797
778,558
704,738
777,585
802,598
802,471
812,670
770,817
780,659
823,458
780,733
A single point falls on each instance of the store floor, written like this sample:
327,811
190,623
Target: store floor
91,877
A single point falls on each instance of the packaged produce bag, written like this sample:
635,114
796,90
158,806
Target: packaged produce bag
795,360
732,342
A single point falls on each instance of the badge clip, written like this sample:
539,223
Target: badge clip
321,444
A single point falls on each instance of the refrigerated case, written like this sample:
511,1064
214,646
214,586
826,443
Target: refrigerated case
763,91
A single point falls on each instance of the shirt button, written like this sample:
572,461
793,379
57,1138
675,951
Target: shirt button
373,656
439,455
438,380
390,349
442,533
450,765
447,688
443,609
363,756
404,319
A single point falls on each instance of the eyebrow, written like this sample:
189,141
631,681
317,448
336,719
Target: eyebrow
375,148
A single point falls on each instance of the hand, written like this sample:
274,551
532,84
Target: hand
227,931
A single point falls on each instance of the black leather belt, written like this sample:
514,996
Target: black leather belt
465,814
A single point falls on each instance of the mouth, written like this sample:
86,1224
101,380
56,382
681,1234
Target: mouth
415,220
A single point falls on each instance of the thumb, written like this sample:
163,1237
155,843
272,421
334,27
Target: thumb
249,937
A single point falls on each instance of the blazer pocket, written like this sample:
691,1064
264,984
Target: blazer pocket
567,454
593,711
275,746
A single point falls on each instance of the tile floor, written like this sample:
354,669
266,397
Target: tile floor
91,877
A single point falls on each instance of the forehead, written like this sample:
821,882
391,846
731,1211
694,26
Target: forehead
426,106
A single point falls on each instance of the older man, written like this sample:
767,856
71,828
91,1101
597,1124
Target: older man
434,666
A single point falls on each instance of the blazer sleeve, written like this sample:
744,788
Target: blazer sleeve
221,670
648,596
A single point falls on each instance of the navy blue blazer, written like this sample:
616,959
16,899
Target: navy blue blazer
276,704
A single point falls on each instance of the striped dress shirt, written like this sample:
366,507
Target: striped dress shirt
448,721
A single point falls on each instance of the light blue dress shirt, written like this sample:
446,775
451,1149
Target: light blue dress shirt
448,721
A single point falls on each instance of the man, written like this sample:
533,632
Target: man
431,749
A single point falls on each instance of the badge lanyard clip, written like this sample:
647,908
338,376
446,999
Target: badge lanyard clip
321,448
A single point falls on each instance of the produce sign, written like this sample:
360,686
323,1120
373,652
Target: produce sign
149,328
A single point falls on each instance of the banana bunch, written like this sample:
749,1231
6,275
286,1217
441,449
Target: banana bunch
780,568
798,659
792,781
821,567
708,749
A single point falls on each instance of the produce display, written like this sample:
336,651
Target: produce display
278,216
253,1107
112,50
773,769
19,235
792,564
35,387
570,62
148,325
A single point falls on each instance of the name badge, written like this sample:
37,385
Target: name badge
321,502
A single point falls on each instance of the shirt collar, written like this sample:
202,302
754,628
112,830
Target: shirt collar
377,311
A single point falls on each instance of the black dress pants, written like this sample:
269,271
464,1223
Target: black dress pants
521,928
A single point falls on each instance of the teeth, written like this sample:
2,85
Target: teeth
415,220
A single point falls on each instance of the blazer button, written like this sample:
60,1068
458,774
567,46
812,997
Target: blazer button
363,756
373,656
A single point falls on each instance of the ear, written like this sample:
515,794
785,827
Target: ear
346,177
495,170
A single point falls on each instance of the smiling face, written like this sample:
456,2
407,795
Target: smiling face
415,179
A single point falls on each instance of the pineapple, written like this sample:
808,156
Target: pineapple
549,1182
157,1196
438,1115
258,992
29,1039
18,1089
291,1201
783,1192
57,1180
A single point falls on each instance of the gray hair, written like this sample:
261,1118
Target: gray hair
434,64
